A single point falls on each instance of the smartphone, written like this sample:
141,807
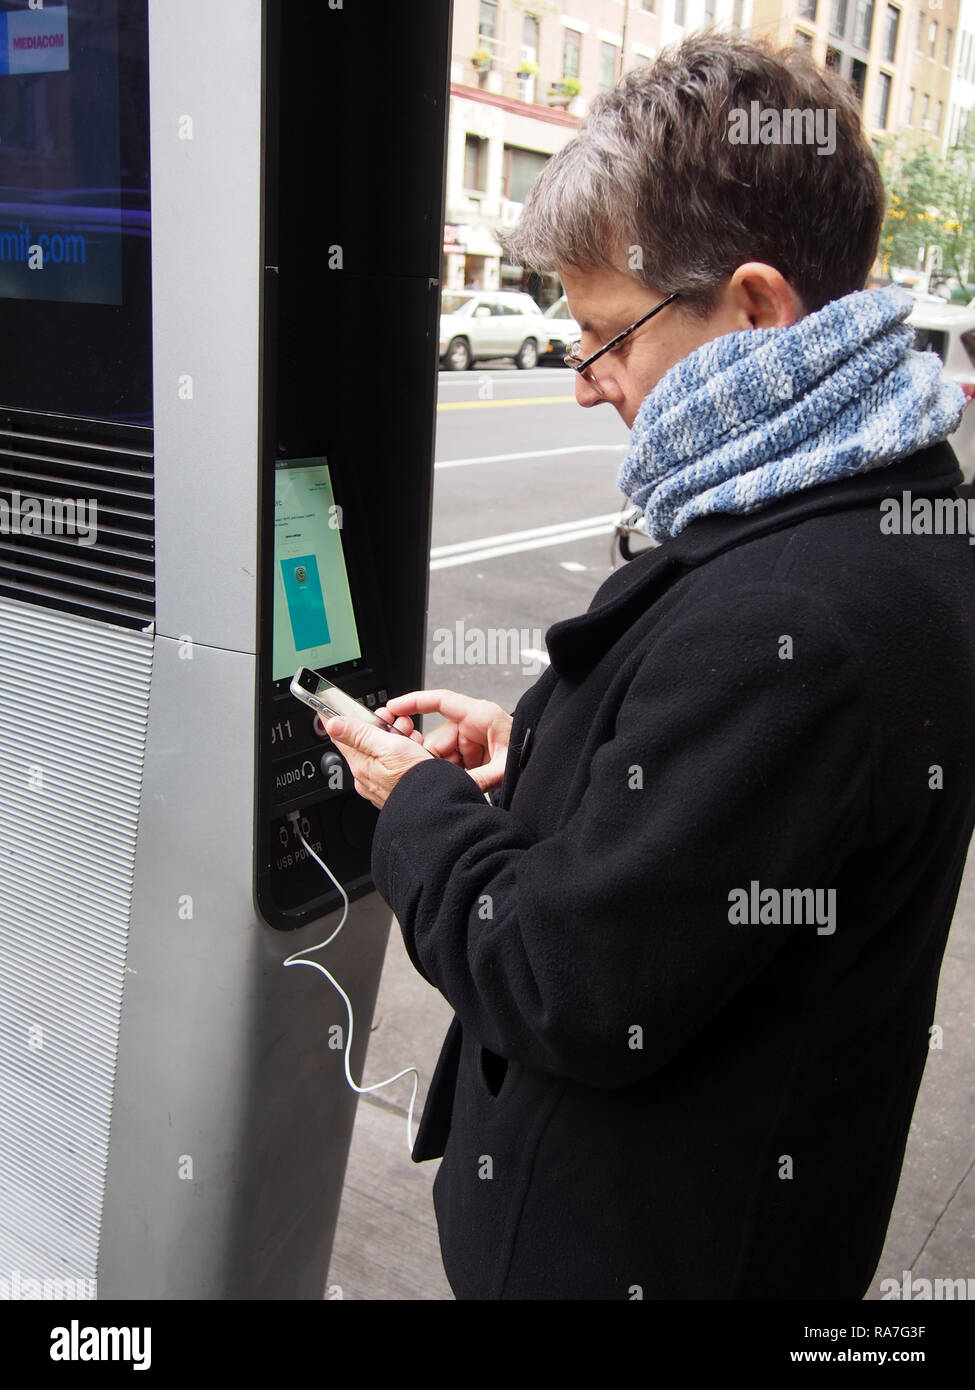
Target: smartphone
328,699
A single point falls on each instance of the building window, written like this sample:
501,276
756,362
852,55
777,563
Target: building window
521,169
891,26
570,53
862,23
920,31
487,23
475,163
648,6
737,12
529,38
528,54
833,59
882,105
607,65
909,106
932,37
925,102
680,11
858,78
803,40
950,34
807,9
938,112
837,22
710,11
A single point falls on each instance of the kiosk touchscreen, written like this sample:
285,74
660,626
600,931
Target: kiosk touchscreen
314,618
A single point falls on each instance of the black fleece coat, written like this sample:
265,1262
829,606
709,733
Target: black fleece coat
642,1095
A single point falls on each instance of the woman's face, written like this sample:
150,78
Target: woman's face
605,302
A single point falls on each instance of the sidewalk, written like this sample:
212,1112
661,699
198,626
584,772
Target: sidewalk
386,1242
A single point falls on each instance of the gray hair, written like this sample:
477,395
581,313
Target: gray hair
653,186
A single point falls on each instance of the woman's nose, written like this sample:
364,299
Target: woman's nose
586,392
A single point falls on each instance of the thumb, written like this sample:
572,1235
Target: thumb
359,734
491,775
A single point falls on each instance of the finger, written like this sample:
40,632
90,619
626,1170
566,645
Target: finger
359,734
447,702
442,742
491,775
400,722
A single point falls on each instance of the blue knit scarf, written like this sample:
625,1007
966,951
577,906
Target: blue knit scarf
764,412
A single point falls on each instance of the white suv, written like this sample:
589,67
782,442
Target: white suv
949,330
479,325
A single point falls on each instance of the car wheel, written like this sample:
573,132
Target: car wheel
528,356
458,355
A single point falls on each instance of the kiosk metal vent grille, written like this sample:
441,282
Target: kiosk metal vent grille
70,792
96,559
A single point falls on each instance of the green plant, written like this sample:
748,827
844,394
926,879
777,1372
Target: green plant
572,85
528,69
481,58
930,203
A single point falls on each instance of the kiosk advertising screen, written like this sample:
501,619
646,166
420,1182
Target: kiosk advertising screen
74,204
60,215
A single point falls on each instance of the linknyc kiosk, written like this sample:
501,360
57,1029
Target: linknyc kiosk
219,256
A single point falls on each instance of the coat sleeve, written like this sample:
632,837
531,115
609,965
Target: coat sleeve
741,751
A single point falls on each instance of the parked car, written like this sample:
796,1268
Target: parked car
482,325
563,330
949,330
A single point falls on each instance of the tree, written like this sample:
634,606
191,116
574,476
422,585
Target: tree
930,204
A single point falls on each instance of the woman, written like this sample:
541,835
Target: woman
693,950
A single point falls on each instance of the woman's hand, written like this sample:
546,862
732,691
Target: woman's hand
377,759
475,736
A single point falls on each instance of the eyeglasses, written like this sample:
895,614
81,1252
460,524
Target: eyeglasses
573,356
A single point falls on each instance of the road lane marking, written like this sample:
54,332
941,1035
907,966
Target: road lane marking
532,454
555,528
474,557
491,547
514,400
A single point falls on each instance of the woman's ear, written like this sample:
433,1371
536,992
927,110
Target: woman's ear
762,295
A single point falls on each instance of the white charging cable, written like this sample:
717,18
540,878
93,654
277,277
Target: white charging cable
296,959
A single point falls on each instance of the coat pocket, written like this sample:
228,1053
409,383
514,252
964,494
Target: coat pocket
487,1165
493,1071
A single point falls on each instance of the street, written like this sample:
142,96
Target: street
524,506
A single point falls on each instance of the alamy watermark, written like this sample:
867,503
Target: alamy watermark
78,1343
50,516
928,516
923,1290
766,125
493,646
18,1286
755,906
